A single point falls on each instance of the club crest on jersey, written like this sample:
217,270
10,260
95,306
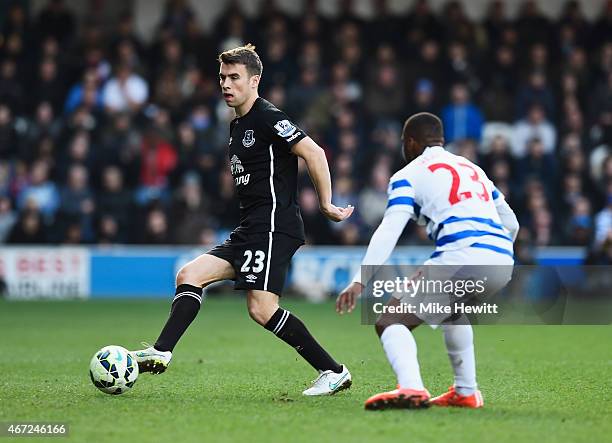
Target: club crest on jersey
284,128
249,138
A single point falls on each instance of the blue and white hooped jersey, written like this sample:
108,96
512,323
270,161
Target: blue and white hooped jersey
453,198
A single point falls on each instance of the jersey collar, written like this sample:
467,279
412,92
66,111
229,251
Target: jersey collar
256,103
433,149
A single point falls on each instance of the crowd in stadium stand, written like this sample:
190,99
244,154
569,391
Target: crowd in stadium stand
106,138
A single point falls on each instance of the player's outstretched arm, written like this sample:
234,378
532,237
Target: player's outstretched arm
505,212
318,169
379,250
508,218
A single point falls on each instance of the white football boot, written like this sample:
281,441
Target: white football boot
151,360
328,383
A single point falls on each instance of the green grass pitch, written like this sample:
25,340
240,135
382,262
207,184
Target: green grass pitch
232,381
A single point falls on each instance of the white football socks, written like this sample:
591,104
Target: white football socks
401,350
459,340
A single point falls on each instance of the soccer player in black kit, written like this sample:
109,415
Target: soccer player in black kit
264,146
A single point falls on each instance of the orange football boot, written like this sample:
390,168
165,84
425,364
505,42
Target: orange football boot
399,399
452,398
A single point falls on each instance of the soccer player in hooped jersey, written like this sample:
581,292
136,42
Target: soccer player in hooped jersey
264,146
470,222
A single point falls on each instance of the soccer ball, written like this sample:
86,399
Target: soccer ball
113,370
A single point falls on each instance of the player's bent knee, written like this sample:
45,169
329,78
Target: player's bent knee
261,312
204,270
380,326
187,275
384,321
261,306
258,313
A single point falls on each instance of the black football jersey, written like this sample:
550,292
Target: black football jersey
265,170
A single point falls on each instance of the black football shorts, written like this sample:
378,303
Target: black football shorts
261,260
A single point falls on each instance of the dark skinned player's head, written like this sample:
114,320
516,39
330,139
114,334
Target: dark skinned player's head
420,131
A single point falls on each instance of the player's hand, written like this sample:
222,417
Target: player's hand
335,213
347,299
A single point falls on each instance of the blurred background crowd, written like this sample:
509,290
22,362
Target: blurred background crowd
106,138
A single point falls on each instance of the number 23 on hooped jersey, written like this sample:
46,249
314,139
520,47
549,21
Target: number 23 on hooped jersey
434,184
455,196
